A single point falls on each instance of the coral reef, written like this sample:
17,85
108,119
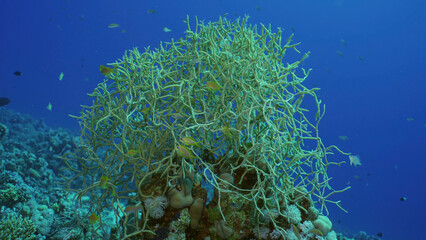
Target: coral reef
220,107
17,228
32,206
31,203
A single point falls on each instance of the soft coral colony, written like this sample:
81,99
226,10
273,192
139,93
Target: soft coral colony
205,137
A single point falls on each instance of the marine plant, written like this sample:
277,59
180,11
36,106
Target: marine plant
220,107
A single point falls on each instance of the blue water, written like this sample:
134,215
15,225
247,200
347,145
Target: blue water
369,92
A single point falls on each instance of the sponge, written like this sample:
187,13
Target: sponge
183,197
323,224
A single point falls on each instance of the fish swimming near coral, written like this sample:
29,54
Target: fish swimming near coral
93,218
133,152
184,152
295,230
316,232
355,160
105,70
4,101
190,141
103,183
131,209
213,85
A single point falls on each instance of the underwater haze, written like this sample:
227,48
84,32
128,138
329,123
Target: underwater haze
368,57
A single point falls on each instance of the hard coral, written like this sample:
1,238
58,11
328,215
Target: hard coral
14,227
219,106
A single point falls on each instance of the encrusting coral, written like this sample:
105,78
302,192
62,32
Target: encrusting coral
219,107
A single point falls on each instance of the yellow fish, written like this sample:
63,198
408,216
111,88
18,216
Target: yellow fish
190,141
355,160
295,230
213,85
145,110
133,152
130,209
184,152
113,25
93,218
226,131
49,107
61,76
316,232
103,182
105,70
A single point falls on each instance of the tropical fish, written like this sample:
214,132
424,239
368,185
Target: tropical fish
355,160
105,70
145,110
61,76
195,61
226,131
295,230
49,107
18,73
4,101
403,199
343,42
340,54
103,183
190,141
213,85
167,29
113,25
130,209
151,11
316,231
344,138
93,218
133,152
184,152
410,119
177,116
